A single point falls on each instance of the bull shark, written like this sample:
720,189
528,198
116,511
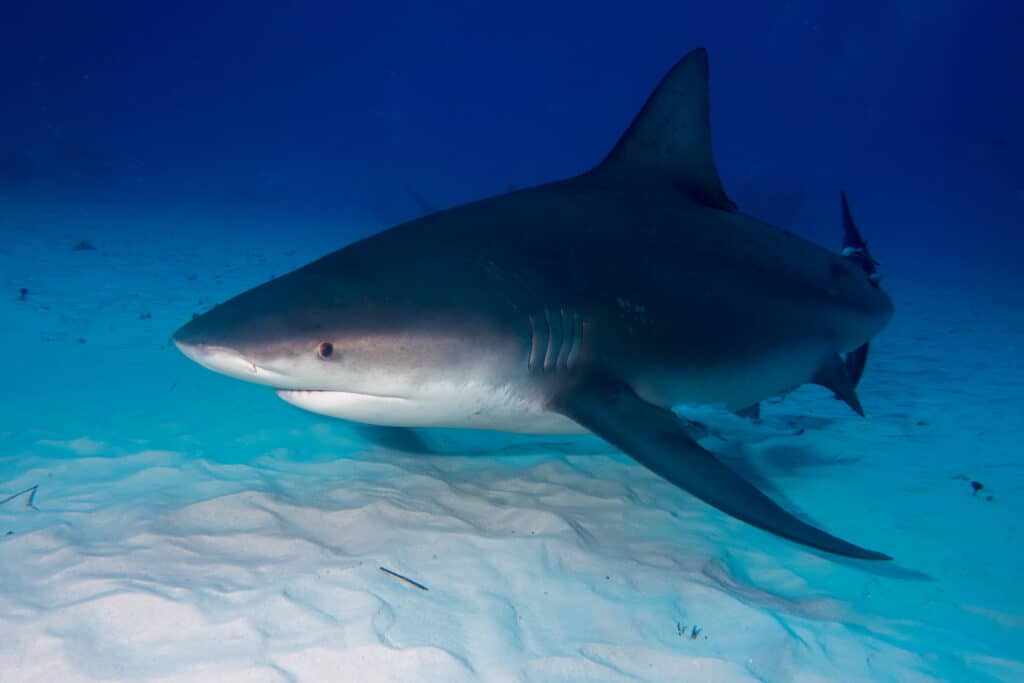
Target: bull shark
593,304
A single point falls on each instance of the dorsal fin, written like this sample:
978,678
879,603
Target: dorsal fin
671,136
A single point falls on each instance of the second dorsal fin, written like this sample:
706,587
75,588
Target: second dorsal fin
671,136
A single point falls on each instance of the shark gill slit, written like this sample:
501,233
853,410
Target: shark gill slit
557,340
577,342
554,339
538,341
568,338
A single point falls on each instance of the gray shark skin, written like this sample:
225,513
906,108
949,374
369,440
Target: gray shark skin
594,304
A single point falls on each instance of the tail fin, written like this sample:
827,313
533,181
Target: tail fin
856,250
854,246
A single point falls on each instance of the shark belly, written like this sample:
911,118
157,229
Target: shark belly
460,406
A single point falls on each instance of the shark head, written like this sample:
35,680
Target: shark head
335,340
307,331
263,336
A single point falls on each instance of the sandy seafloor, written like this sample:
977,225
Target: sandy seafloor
188,527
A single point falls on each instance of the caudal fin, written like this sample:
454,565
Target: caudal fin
855,248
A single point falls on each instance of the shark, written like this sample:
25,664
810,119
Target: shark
599,303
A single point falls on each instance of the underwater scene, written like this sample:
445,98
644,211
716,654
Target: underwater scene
535,341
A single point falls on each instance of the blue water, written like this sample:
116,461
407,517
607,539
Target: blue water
188,527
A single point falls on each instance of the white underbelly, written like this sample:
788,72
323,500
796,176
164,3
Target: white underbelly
454,406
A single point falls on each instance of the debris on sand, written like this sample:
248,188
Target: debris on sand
29,502
409,581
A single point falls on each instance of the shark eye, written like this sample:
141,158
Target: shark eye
325,350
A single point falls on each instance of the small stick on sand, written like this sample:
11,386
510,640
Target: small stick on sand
30,503
403,578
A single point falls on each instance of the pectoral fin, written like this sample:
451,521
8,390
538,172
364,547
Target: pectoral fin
658,439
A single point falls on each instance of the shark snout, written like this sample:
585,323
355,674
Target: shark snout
209,342
233,363
216,358
219,359
216,352
192,333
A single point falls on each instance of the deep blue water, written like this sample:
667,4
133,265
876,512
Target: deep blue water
338,109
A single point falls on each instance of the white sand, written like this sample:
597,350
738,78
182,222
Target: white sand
188,527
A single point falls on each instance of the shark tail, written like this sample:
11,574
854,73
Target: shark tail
855,248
